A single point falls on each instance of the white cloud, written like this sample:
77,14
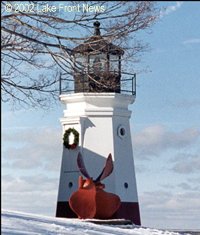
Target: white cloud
192,41
156,139
36,193
170,209
33,148
170,9
189,187
36,182
32,160
194,180
186,163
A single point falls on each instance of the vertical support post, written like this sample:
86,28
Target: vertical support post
83,83
120,74
60,86
134,84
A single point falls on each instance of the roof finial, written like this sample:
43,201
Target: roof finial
96,28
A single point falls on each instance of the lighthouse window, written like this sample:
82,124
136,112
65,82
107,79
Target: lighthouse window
114,64
80,61
121,131
125,185
97,62
70,184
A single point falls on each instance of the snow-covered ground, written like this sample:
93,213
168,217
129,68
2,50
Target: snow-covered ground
15,223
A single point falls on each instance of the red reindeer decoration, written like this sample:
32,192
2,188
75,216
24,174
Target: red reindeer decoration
91,201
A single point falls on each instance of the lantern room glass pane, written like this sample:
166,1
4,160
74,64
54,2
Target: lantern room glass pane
97,62
80,62
114,63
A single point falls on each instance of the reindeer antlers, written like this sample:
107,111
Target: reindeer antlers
107,170
81,166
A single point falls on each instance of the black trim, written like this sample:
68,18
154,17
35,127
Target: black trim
128,210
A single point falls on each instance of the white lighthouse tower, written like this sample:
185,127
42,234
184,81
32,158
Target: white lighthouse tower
96,123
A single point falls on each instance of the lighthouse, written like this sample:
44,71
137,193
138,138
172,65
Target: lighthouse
96,123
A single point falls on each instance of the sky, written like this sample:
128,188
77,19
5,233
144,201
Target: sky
165,127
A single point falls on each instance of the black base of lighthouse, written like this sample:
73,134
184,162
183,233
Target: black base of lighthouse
63,210
127,210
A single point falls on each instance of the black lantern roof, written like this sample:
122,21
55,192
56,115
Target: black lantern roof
97,43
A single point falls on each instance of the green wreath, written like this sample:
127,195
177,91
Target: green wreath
66,138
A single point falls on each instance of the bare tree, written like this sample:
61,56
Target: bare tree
38,38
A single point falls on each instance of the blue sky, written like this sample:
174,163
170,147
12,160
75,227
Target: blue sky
165,127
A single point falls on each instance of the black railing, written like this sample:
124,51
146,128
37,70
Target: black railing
127,85
65,85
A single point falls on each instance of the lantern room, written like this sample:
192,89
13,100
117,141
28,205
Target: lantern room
97,65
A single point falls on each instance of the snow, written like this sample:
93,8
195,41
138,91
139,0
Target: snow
15,223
